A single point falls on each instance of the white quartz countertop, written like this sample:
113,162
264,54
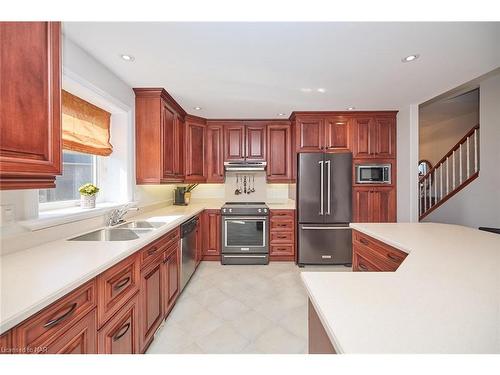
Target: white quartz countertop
32,279
444,298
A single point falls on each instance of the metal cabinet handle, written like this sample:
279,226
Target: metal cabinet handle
121,332
152,250
362,266
393,257
122,283
328,163
59,319
321,187
281,237
364,242
325,228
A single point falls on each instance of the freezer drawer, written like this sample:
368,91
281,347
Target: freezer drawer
325,244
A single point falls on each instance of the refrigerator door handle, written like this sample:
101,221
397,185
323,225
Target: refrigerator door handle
321,186
325,228
328,163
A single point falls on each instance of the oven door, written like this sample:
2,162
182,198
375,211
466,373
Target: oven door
244,234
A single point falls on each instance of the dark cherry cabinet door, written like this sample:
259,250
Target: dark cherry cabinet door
279,153
79,339
30,96
363,137
383,205
171,280
195,152
168,142
338,134
309,134
215,153
384,129
120,335
255,140
234,142
211,233
150,299
362,205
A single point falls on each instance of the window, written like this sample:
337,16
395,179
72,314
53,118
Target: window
78,169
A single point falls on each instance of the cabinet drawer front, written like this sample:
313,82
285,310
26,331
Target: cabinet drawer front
115,286
41,329
120,335
79,339
359,263
149,252
281,237
281,250
282,225
385,252
282,214
374,258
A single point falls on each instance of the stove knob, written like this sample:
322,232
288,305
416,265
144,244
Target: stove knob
265,210
230,210
259,210
223,210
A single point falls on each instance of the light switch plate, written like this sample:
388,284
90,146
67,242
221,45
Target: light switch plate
7,214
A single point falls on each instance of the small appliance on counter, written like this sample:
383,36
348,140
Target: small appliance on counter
182,194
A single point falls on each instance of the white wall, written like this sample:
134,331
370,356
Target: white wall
479,203
407,162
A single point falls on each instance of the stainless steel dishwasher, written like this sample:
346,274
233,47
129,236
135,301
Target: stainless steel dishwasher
188,250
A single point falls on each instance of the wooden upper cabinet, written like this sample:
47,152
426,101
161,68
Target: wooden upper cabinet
215,153
195,150
375,136
160,136
279,152
234,142
30,97
255,136
309,134
337,132
374,204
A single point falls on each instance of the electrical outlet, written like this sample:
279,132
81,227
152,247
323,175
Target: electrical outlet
7,214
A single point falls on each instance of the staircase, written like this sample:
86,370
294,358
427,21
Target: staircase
458,168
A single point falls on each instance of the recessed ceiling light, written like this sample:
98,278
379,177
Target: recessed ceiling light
321,90
305,89
409,58
127,57
351,108
197,108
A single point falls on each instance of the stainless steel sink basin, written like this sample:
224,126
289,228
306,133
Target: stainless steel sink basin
141,225
108,234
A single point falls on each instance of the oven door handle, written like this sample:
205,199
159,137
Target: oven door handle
244,217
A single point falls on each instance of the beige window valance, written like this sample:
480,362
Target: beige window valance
85,127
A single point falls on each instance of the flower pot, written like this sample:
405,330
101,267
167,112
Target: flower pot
87,201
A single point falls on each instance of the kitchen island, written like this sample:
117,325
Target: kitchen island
444,297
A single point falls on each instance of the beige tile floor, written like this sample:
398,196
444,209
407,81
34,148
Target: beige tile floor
239,309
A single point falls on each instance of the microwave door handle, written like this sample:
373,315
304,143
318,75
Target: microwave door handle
328,163
321,187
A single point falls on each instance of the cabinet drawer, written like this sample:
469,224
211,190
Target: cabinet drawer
115,286
384,252
149,252
282,225
47,325
282,215
281,237
359,263
281,250
374,258
121,334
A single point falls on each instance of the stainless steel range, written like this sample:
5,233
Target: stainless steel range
245,233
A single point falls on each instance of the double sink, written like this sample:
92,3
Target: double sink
124,232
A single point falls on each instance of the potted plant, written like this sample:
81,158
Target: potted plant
87,195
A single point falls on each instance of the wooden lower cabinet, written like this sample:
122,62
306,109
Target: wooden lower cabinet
369,254
79,339
282,235
120,335
374,204
171,277
150,299
199,240
6,343
211,243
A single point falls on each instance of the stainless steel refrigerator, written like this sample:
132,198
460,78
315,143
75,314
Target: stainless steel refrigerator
324,204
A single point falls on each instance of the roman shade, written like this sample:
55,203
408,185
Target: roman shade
85,127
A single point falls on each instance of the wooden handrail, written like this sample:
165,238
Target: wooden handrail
456,147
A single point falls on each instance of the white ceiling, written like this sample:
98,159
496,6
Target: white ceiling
256,70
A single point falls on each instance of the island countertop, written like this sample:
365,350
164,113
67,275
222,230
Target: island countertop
444,297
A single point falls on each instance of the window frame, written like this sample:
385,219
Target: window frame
47,206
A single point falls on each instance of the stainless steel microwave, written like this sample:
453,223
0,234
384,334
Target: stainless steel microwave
373,173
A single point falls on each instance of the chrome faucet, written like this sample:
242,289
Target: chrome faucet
116,215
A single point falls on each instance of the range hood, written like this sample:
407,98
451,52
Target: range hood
244,166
